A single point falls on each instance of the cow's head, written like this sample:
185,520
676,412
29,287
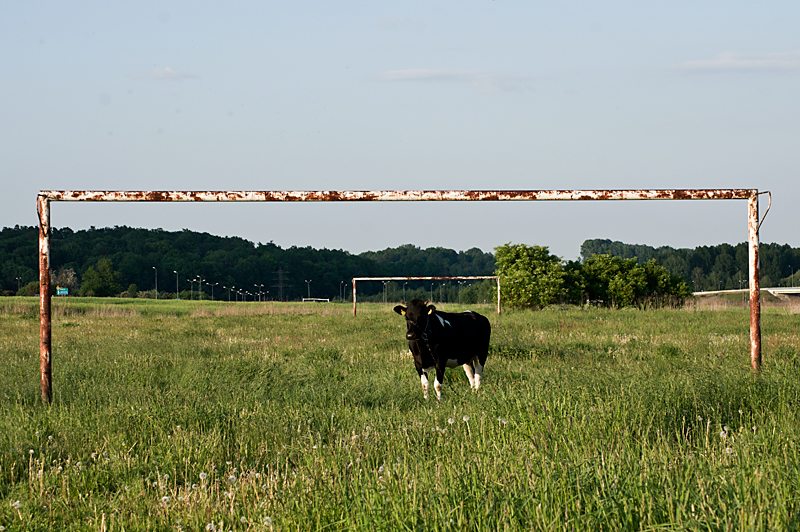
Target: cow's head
417,314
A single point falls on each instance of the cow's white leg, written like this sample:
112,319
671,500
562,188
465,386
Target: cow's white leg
470,375
478,372
438,387
424,379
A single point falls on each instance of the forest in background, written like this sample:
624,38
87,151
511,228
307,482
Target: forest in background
123,261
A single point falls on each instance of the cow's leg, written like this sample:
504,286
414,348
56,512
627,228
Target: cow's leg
470,374
478,372
437,384
423,377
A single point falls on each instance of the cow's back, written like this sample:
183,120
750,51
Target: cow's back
469,331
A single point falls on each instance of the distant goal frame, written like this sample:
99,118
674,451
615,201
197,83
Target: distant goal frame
462,277
46,197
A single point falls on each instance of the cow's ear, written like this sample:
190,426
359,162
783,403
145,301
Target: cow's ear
431,308
400,309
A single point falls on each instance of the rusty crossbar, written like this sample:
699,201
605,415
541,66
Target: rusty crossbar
46,196
465,278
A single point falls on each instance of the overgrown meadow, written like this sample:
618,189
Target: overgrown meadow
183,416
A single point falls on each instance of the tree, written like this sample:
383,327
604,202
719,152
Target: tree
530,277
101,281
618,282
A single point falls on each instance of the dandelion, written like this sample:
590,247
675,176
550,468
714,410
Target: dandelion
451,420
699,418
729,450
166,476
465,418
228,462
725,428
50,438
243,519
15,505
502,420
232,479
723,434
203,475
267,520
740,412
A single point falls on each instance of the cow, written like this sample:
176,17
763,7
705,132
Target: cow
440,340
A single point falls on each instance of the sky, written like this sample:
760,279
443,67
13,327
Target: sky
433,95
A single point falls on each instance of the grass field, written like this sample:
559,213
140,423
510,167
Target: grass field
191,416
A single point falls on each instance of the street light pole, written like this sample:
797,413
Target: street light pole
156,270
177,290
308,283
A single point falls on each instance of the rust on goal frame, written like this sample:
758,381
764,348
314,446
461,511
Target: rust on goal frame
45,197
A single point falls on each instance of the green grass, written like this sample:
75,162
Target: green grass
175,415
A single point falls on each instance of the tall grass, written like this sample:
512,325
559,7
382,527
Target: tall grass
207,416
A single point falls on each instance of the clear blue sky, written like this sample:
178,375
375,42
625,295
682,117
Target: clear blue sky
188,95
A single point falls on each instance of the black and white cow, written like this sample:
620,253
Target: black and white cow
441,340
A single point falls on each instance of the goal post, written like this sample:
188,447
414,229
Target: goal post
45,197
462,278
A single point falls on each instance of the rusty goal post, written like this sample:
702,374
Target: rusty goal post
46,197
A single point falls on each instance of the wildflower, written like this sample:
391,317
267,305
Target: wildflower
699,418
50,438
232,479
228,462
30,451
166,476
465,418
15,505
729,450
203,475
243,519
502,420
740,412
267,520
723,434
451,420
725,428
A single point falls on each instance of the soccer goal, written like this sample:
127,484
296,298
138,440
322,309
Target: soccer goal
45,197
462,278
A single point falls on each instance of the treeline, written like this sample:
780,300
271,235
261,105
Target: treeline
125,261
722,267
